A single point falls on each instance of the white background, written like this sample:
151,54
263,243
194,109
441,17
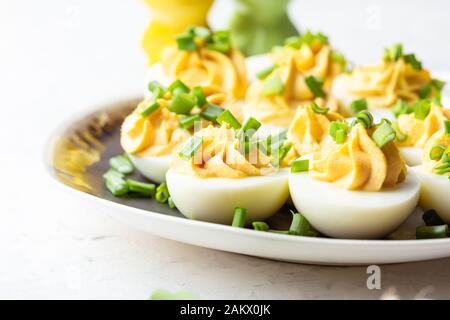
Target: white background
60,56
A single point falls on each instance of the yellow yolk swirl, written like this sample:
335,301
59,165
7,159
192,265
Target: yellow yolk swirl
359,164
439,138
294,66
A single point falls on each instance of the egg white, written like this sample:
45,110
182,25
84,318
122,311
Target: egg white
435,192
340,213
214,199
412,155
153,168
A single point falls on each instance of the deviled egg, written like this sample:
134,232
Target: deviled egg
357,185
200,57
166,119
434,174
215,172
302,71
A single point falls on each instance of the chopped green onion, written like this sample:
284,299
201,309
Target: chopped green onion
260,226
266,71
150,109
437,152
315,86
358,105
121,164
319,110
274,142
190,147
365,118
228,117
393,53
162,193
171,203
200,32
412,60
300,166
273,87
182,103
143,188
442,168
431,218
212,112
186,42
156,89
299,225
293,42
251,124
432,232
383,134
282,152
116,183
189,121
220,42
401,107
178,86
239,217
425,91
447,126
339,58
422,109
438,84
400,135
199,95
338,131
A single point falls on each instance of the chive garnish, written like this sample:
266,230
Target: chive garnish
425,91
299,225
338,131
273,87
438,84
300,166
190,147
393,53
383,134
189,121
150,109
171,203
143,188
182,103
365,118
227,117
251,124
121,164
432,232
401,107
200,32
212,112
282,152
220,42
422,109
239,217
447,126
412,60
436,152
162,193
339,58
116,183
186,42
400,135
156,89
315,86
358,105
178,86
319,110
260,226
199,95
266,71
431,218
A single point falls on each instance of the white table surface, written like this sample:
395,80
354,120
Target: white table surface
57,57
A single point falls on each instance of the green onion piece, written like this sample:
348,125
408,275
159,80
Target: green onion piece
121,164
199,95
251,124
143,188
431,218
273,87
339,58
358,105
383,134
315,86
442,168
400,135
171,203
422,109
447,126
393,53
338,131
182,103
156,89
265,72
212,112
300,166
293,42
412,60
150,109
162,193
438,84
432,232
437,152
282,152
401,107
239,217
319,110
299,225
220,42
186,42
274,142
260,226
341,136
189,121
116,183
365,118
178,86
227,117
425,91
190,147
200,32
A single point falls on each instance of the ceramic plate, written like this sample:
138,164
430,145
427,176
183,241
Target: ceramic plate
77,156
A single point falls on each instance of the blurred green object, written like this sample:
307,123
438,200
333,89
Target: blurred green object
160,294
259,25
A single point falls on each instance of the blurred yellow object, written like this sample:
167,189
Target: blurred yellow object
170,18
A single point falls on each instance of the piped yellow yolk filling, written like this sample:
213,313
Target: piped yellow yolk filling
358,163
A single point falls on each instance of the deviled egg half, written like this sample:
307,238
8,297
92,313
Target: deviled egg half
356,185
434,173
302,71
166,119
200,57
416,125
397,77
223,168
